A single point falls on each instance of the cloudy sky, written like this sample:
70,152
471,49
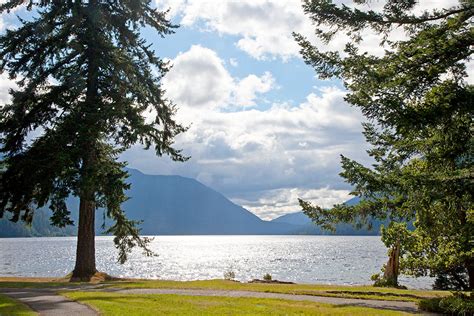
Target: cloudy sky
264,130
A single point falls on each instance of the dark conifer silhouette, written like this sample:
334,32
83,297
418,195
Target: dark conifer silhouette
88,89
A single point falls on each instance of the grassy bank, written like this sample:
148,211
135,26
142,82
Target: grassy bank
362,292
152,304
11,307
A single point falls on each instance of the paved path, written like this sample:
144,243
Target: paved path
47,303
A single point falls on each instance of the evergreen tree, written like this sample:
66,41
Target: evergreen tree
86,83
420,109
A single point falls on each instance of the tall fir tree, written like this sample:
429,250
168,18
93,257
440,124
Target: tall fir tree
419,108
88,89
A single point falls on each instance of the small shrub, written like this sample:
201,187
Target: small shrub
430,305
458,304
454,279
382,282
267,277
375,277
229,275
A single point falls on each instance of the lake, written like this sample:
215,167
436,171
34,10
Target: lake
301,259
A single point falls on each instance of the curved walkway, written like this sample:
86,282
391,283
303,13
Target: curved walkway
47,302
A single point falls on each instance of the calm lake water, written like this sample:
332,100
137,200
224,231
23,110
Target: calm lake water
302,259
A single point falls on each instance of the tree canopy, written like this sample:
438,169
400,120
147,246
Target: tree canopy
88,89
419,109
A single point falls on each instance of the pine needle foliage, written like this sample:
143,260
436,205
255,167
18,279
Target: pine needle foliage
419,109
88,89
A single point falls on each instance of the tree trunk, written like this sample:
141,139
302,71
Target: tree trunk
85,252
392,267
470,274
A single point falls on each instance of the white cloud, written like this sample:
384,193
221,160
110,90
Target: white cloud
264,27
2,19
263,158
257,156
246,89
5,85
233,62
199,79
274,203
470,72
15,11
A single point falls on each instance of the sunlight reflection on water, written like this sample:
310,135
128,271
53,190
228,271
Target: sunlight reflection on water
302,259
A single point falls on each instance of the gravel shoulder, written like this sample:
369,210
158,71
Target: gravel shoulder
47,303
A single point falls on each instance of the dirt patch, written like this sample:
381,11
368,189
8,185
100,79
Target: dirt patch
270,281
99,277
355,293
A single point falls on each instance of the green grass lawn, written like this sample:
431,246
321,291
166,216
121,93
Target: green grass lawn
153,304
11,307
368,292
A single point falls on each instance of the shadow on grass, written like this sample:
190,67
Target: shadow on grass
179,304
10,307
32,285
385,307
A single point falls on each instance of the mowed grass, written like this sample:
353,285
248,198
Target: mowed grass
362,292
167,304
11,307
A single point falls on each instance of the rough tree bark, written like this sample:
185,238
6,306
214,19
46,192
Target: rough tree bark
85,266
85,252
392,268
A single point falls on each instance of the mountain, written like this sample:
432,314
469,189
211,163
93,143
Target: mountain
178,205
306,226
168,205
299,218
40,227
174,205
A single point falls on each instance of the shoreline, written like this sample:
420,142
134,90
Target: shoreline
105,279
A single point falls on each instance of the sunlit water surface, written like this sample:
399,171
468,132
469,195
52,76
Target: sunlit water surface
301,259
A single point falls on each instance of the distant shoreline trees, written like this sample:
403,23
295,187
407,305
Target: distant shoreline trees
420,111
86,81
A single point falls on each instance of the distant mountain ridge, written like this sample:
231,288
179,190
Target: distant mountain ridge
196,209
175,205
307,227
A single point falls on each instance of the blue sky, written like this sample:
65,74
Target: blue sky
288,90
264,130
